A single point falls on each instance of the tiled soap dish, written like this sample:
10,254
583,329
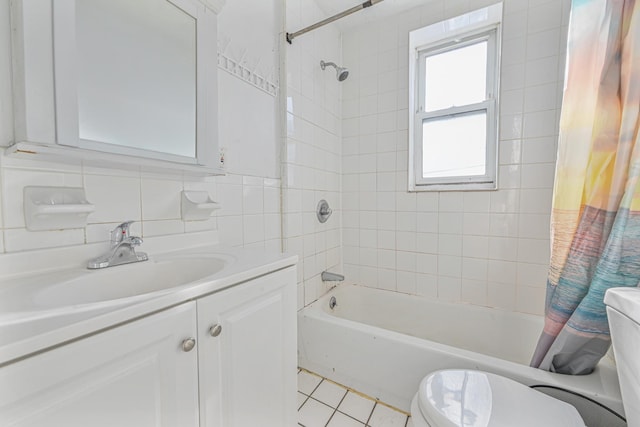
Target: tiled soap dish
197,206
55,208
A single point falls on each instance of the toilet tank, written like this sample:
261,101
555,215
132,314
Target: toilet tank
623,310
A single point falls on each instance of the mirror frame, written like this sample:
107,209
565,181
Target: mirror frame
65,60
45,92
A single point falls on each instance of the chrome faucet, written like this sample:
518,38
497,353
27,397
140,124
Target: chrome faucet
122,249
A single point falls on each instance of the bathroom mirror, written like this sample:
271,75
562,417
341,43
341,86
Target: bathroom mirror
118,79
136,75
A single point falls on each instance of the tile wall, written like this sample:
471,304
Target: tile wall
312,149
488,248
250,213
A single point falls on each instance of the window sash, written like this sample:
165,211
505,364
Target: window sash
489,37
488,107
488,180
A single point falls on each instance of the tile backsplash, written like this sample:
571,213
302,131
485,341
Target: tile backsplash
250,213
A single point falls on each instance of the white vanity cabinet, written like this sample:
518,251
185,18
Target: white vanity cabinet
137,374
226,359
247,354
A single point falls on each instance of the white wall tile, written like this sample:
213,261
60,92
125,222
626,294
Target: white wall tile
449,288
510,152
406,261
230,197
450,244
473,291
534,225
503,248
406,282
195,226
502,272
450,223
162,227
427,285
534,251
476,224
541,71
230,230
539,150
530,300
19,239
427,243
537,175
543,44
252,199
161,199
501,295
475,246
406,241
545,16
387,279
475,268
533,275
116,198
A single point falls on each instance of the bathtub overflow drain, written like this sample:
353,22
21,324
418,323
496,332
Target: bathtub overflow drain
333,303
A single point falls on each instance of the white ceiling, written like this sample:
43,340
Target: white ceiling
374,13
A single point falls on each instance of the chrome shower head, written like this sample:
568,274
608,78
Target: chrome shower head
341,72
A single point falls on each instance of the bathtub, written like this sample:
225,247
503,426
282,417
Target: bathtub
383,343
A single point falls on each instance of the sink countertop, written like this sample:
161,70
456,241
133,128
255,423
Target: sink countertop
48,328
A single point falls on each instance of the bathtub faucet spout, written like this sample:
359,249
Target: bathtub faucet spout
331,277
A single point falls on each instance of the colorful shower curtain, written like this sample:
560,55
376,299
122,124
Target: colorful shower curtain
595,224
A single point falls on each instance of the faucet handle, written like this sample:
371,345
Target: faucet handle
121,232
134,241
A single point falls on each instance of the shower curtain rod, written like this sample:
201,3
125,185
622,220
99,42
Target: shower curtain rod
368,3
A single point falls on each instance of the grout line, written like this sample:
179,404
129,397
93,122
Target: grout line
352,417
336,408
371,413
304,401
315,388
348,389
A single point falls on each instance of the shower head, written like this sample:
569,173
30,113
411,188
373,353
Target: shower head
341,72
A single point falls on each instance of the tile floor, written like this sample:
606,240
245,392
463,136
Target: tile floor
323,403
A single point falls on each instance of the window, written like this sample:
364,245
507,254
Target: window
453,95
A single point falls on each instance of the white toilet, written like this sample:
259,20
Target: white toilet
457,398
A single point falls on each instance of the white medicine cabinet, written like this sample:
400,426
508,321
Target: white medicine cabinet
128,84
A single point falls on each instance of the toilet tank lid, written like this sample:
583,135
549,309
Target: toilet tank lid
624,300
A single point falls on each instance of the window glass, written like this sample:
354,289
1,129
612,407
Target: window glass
456,77
454,145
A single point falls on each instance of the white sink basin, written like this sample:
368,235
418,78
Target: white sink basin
127,281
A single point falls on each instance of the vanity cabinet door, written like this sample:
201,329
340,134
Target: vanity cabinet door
247,353
138,374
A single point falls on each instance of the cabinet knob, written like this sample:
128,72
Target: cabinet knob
188,344
215,330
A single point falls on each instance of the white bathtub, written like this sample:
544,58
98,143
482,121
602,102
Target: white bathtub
383,343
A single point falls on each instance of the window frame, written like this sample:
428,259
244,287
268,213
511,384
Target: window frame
440,38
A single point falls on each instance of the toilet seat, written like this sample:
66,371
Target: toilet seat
466,398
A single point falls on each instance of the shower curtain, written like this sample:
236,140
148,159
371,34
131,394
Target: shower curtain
595,223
